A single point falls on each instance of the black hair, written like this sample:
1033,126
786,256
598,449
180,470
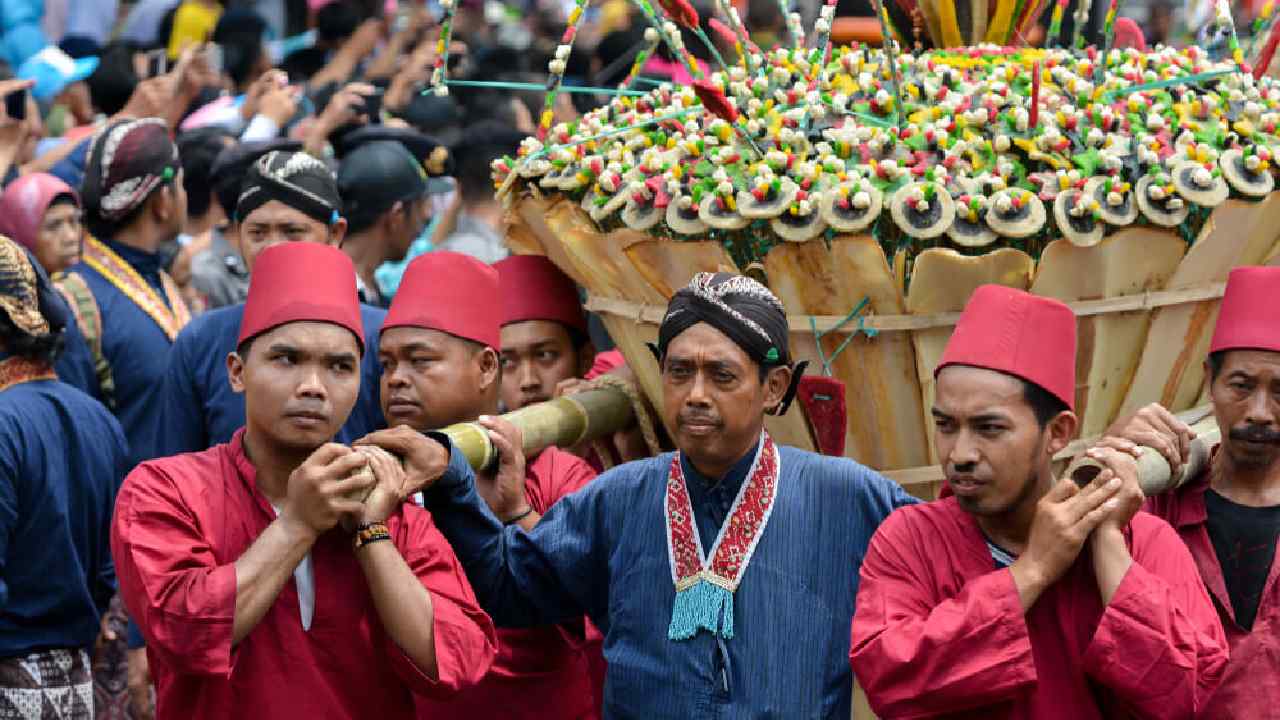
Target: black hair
243,348
616,52
337,21
302,64
577,338
113,82
358,222
197,150
481,144
240,34
1044,404
1216,359
165,29
226,190
42,348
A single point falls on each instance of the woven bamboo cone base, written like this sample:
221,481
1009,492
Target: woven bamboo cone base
1130,354
1170,370
1109,346
942,281
518,234
882,397
532,215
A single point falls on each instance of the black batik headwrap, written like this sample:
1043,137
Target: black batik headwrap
295,179
742,309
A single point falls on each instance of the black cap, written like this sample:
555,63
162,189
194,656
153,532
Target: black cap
375,176
435,115
430,152
232,165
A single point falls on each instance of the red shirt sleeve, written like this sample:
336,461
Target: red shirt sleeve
572,473
464,636
604,362
170,581
915,655
1159,646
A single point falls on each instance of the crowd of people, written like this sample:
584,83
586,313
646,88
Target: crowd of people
250,265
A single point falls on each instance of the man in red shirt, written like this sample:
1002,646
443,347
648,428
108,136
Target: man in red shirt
1019,595
544,331
1229,516
440,366
546,351
236,562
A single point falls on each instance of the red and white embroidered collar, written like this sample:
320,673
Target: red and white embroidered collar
704,590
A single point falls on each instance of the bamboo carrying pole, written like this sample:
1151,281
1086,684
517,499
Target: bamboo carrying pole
1154,474
563,422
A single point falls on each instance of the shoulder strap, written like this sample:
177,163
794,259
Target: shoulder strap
85,308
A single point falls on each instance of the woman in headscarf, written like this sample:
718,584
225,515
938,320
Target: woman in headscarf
42,213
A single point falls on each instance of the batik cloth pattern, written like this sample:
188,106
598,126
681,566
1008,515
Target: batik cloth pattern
46,685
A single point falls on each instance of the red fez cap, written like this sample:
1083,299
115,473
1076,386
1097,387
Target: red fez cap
533,288
452,293
1250,315
1019,334
301,281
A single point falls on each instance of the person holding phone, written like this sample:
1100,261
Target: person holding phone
21,127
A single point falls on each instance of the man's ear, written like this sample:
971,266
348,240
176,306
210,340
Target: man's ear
776,382
395,217
1062,430
235,372
490,367
162,204
338,232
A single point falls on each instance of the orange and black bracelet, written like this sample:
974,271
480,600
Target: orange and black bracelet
370,533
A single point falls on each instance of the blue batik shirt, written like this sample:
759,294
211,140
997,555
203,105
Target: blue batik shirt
135,346
603,551
62,459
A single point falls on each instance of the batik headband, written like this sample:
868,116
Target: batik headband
741,308
19,289
295,179
129,149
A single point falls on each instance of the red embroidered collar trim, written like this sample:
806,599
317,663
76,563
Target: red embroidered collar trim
704,588
16,370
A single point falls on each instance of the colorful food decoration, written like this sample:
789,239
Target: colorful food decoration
987,150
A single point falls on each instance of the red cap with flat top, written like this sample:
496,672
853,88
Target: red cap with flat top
533,288
301,281
452,293
1250,314
1019,334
